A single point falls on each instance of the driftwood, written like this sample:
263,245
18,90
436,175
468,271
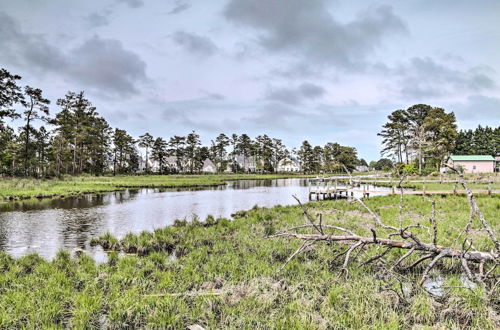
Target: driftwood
475,256
404,238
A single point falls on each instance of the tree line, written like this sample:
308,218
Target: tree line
79,140
424,136
480,141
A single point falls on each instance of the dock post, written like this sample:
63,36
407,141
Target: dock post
489,188
393,190
455,189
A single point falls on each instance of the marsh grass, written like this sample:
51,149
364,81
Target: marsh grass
224,275
474,181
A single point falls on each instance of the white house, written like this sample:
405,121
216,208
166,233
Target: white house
248,164
361,168
208,166
289,165
152,166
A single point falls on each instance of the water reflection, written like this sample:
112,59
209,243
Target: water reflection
49,225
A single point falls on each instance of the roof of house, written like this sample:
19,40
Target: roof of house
472,157
207,162
289,161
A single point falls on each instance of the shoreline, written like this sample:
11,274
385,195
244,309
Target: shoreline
70,186
86,185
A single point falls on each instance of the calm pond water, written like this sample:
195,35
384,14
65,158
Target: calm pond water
46,226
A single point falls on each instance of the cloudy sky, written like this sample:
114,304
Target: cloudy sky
294,69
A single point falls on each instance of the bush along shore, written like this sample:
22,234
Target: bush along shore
223,273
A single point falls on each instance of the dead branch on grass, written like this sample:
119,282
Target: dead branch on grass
408,240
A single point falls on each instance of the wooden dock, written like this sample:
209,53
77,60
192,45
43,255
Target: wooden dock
329,190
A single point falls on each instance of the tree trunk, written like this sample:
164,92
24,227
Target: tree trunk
420,158
114,164
27,141
74,155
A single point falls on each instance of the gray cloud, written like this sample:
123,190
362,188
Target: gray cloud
132,3
297,71
424,77
195,44
27,50
179,7
191,119
295,95
479,107
216,96
307,28
99,64
311,91
283,117
105,64
97,19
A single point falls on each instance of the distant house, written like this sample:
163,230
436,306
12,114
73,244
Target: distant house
171,163
152,165
208,166
473,163
247,164
289,165
361,168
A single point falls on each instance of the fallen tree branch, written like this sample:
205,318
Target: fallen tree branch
308,216
475,256
431,265
378,256
304,246
402,238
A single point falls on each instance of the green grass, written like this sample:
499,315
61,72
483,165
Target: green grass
438,186
474,181
237,263
21,188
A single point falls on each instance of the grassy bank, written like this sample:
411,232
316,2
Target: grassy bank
436,185
20,188
223,273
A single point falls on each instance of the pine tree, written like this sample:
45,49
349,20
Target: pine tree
146,141
36,109
159,152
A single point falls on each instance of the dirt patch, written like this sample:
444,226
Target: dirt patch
358,214
412,216
326,212
350,214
